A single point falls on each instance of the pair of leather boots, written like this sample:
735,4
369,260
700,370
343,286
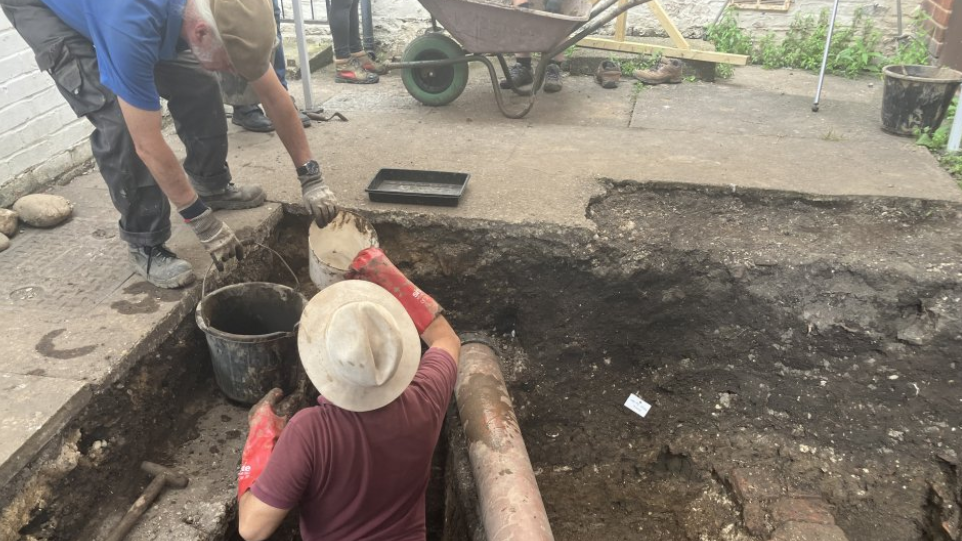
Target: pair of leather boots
669,70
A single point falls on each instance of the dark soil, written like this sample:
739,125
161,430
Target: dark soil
810,344
789,347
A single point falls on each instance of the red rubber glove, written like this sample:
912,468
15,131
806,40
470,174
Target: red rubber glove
372,265
265,428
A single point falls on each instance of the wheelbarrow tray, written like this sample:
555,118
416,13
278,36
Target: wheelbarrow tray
494,26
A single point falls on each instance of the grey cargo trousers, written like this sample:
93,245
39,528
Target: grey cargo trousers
194,102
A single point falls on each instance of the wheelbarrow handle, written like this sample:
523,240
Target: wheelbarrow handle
596,22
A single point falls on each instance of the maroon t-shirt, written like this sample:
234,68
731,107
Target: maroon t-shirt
362,475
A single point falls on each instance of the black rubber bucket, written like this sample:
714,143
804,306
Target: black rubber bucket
251,332
917,97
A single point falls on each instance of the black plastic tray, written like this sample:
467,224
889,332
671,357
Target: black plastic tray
417,187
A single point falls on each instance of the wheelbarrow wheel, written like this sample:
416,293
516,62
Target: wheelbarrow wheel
438,85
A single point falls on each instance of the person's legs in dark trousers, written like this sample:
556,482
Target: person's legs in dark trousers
144,210
252,117
348,50
70,60
194,101
280,63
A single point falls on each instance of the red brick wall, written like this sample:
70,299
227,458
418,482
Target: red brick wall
938,12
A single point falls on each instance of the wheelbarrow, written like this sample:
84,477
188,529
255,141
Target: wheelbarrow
435,66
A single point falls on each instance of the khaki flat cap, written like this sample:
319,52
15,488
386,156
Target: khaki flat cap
248,30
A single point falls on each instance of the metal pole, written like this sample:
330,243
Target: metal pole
302,56
828,43
955,135
898,15
720,13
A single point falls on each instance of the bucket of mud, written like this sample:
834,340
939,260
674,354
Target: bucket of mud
333,247
917,97
251,332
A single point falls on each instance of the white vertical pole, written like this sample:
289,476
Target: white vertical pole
955,135
828,43
302,55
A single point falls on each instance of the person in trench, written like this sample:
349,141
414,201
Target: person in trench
358,463
113,60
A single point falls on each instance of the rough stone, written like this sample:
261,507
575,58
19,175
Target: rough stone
9,220
43,210
4,242
808,531
756,519
753,485
811,510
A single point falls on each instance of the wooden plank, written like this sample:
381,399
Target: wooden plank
621,23
668,25
760,5
674,52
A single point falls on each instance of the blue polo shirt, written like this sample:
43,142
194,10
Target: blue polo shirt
130,38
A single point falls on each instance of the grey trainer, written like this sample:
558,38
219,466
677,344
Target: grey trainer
160,266
521,75
552,78
233,197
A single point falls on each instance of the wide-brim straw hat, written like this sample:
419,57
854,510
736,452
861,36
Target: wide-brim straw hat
358,345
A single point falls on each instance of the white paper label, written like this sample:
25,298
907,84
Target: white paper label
637,405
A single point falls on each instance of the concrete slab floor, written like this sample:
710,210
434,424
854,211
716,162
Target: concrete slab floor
75,318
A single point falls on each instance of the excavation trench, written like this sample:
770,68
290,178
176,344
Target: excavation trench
799,356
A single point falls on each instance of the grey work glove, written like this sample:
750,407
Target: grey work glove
318,198
217,238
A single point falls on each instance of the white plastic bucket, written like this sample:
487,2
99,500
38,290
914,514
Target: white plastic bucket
334,247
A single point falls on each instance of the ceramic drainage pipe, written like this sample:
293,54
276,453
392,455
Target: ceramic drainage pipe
511,506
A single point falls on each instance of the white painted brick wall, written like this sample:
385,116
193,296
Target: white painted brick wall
41,138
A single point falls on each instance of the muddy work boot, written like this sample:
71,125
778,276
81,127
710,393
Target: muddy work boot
369,64
521,75
233,197
552,78
668,71
608,74
251,118
352,71
160,266
305,121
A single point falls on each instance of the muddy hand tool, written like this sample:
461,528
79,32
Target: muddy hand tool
162,477
316,115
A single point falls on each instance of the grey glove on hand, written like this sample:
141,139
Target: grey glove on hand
318,198
217,238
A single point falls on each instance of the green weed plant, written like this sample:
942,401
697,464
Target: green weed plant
937,140
856,47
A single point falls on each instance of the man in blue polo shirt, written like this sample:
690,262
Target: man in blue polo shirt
113,60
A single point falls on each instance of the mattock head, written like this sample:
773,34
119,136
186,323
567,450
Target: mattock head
171,477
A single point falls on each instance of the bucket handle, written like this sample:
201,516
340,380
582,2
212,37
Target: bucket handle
297,283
